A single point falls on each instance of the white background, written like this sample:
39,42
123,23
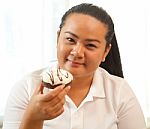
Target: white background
28,31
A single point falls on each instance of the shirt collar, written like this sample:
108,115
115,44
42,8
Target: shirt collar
97,87
96,90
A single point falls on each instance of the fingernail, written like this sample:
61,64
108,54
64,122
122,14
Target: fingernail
69,87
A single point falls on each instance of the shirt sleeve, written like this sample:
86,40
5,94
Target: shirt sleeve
130,115
16,105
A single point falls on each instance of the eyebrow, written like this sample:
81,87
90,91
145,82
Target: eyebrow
72,34
89,40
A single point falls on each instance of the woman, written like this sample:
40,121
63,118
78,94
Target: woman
95,99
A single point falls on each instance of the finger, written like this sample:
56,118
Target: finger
60,98
58,106
50,95
62,94
67,88
57,100
55,109
59,112
54,114
41,88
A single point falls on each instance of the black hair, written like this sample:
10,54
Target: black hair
113,62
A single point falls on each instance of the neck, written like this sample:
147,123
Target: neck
79,89
81,82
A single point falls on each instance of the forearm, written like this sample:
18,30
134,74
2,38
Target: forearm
28,124
29,121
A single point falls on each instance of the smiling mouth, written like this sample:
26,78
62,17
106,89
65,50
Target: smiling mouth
75,63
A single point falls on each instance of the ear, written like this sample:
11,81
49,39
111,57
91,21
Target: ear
58,33
106,52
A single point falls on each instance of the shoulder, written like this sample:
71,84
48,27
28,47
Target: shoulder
121,98
27,83
35,76
109,78
115,86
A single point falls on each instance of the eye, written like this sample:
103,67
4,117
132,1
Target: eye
91,46
70,39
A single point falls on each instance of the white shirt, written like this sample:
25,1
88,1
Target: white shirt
110,104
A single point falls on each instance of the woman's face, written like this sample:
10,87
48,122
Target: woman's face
81,44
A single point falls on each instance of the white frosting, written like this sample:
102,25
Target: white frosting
57,76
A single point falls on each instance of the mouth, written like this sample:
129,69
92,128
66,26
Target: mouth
75,63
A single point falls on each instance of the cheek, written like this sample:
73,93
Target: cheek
60,55
62,52
95,59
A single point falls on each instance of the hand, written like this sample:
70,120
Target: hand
46,106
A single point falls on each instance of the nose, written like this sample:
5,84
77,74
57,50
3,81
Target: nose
78,50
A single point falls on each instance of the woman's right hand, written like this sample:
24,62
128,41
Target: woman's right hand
45,106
